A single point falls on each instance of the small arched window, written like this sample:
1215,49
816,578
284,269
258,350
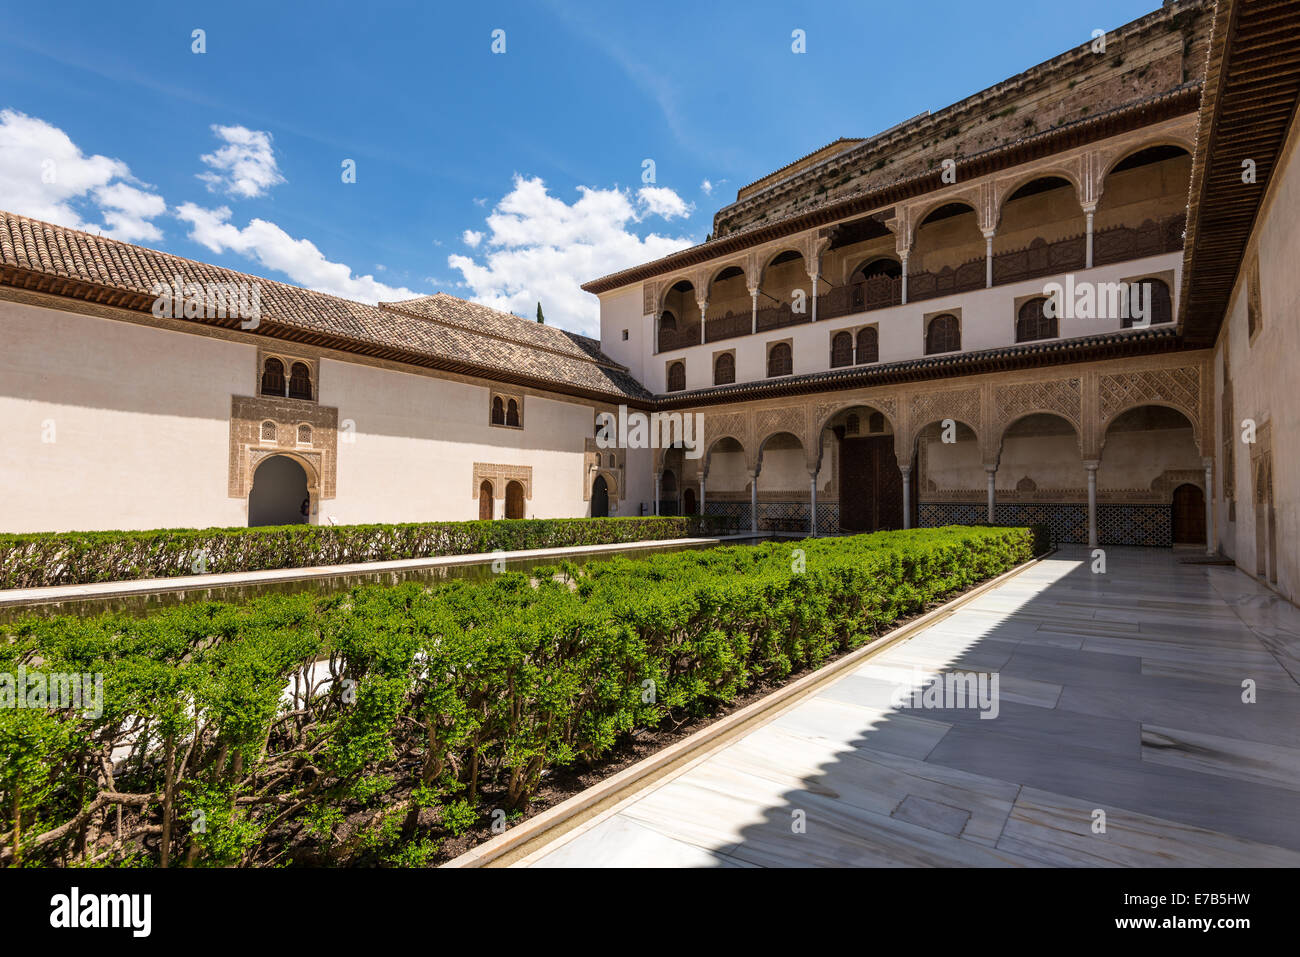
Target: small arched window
1160,307
273,377
677,377
780,360
852,424
498,411
304,435
841,350
724,369
1033,323
943,334
268,431
512,413
613,462
300,381
868,345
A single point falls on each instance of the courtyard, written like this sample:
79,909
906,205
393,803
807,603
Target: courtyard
1120,693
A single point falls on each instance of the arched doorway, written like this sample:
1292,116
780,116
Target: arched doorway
870,481
668,493
514,500
279,494
485,502
1189,515
688,501
600,498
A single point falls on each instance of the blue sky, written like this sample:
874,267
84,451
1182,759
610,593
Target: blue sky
502,177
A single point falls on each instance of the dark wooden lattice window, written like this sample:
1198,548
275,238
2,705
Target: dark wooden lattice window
273,377
868,345
300,381
841,350
512,413
852,424
1033,323
943,334
667,331
780,360
677,377
498,411
1159,304
724,369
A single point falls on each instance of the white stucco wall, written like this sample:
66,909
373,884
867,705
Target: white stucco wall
988,321
141,432
141,422
1264,379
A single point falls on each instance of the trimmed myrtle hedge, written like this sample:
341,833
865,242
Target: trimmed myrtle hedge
365,727
77,558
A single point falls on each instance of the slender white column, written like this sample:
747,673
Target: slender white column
1091,466
1088,256
704,308
907,495
656,493
753,502
753,316
812,497
988,259
702,475
1209,506
904,258
813,277
992,471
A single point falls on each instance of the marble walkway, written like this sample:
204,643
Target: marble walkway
1119,694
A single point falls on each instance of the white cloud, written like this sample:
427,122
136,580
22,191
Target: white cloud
472,238
541,248
245,166
272,247
43,174
662,201
707,188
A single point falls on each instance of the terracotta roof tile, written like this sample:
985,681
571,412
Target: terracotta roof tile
461,333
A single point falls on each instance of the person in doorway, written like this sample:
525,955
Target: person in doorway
305,509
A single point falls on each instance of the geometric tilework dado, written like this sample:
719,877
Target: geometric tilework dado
248,448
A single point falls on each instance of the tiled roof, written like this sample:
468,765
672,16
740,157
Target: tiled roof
465,337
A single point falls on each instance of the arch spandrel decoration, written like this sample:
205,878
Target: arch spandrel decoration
247,448
1178,388
1063,397
502,475
963,405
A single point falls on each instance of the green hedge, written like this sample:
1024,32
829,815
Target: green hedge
77,558
415,710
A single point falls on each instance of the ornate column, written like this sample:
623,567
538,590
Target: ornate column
753,315
992,471
907,495
988,258
753,501
1088,212
1091,466
1209,506
904,258
704,308
812,276
812,497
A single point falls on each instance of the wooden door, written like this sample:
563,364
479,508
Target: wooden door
1189,515
871,485
485,502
